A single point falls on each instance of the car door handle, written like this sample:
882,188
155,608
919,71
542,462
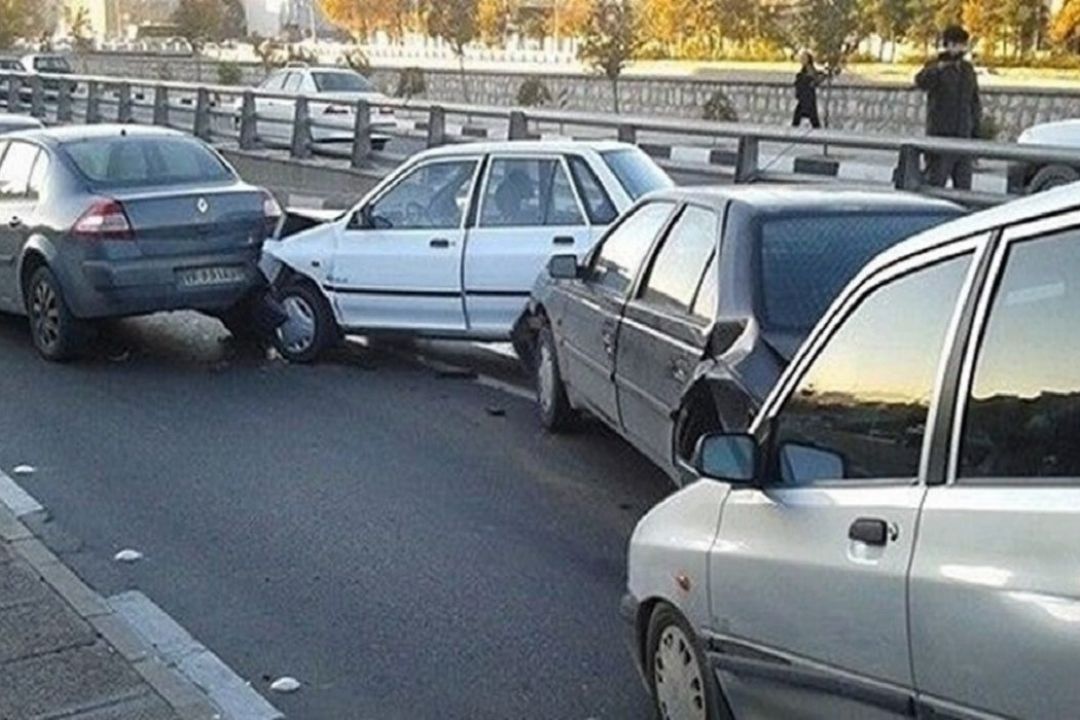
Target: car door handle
563,240
870,531
439,243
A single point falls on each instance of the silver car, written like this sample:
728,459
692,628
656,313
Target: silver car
897,536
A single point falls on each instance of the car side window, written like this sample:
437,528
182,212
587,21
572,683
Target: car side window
708,297
1022,419
276,81
38,175
624,248
677,268
432,196
15,169
860,410
292,82
598,205
528,192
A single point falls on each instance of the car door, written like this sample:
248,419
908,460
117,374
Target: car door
398,260
17,206
995,581
270,109
528,212
586,330
661,340
809,590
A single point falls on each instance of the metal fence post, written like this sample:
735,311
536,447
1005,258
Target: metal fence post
436,129
161,105
14,94
628,134
519,126
37,97
361,147
301,130
746,163
908,174
63,103
201,126
123,103
93,102
249,134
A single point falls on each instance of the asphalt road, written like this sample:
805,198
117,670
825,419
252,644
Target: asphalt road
402,539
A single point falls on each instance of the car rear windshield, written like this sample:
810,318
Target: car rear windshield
111,162
341,82
807,260
52,63
636,171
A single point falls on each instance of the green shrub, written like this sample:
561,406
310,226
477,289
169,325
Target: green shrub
989,128
229,73
411,83
533,93
720,108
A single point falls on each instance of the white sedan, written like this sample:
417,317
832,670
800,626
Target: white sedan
1032,178
450,244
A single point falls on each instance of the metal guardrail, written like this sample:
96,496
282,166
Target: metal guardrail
83,98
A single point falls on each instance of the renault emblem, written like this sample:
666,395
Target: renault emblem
202,206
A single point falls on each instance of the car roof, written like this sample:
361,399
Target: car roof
524,147
77,133
767,199
22,122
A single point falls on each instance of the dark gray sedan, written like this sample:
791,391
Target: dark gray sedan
111,221
684,315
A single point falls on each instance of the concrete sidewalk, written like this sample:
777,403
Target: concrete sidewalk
64,653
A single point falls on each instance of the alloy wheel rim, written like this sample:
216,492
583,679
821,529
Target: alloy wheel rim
45,310
297,333
546,378
680,688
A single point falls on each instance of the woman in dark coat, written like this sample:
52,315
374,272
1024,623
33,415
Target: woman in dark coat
806,84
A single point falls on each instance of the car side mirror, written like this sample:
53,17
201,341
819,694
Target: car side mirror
806,464
730,458
563,267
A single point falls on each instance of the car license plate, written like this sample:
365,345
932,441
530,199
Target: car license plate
206,276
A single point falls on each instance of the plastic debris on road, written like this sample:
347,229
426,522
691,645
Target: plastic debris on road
128,556
285,684
24,470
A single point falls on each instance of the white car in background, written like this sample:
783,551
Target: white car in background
332,93
449,244
1032,178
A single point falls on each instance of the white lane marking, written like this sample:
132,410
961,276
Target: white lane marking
235,697
18,501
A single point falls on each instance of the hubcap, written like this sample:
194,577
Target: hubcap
297,333
45,312
680,690
545,378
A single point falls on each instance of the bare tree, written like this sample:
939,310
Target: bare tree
611,41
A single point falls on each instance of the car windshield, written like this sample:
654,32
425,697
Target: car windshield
636,171
805,261
52,63
151,160
342,82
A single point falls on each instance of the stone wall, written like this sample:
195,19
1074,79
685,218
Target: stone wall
894,110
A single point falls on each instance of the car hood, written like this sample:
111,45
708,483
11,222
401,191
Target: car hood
1064,132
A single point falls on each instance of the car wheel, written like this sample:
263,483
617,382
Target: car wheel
556,414
55,331
1052,176
309,326
683,686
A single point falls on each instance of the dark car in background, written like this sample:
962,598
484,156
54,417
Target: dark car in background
109,221
685,314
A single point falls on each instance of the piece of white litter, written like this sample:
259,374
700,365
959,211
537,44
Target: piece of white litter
24,470
285,685
128,556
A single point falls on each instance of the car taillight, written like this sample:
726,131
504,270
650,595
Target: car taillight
104,220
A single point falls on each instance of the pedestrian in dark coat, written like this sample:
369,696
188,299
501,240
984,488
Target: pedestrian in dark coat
806,85
952,106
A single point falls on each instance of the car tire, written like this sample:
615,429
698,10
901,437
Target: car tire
1052,176
556,413
56,333
680,680
310,327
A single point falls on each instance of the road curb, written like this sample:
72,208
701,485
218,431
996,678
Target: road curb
182,695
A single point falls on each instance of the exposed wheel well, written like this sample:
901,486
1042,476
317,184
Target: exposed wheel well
31,262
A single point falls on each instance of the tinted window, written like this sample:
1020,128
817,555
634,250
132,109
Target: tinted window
526,193
708,295
597,202
1023,417
156,160
636,171
860,410
341,82
15,169
807,260
624,247
431,196
51,63
676,272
